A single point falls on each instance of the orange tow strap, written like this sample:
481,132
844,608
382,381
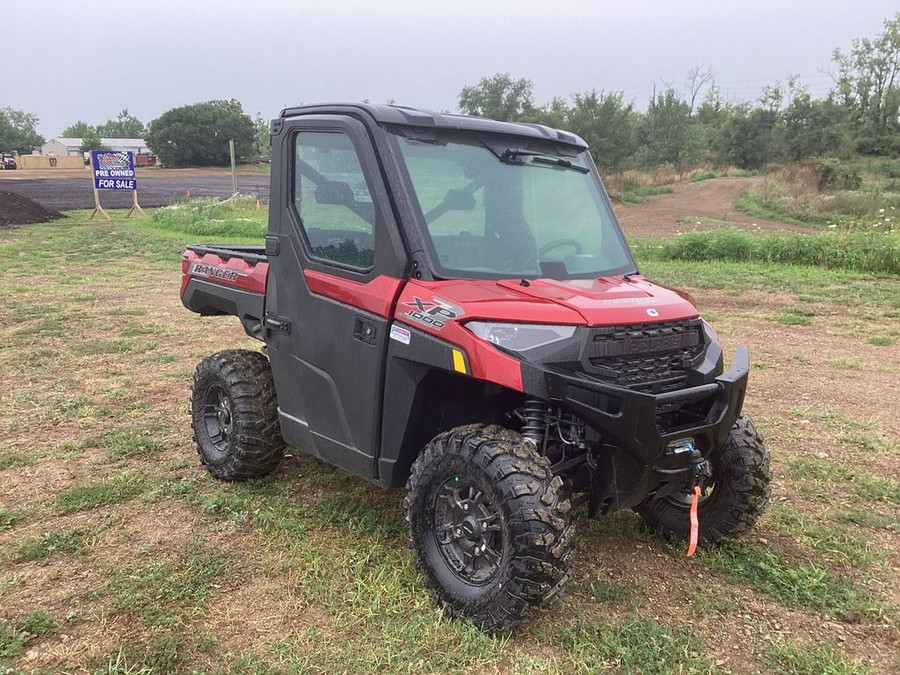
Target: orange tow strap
695,524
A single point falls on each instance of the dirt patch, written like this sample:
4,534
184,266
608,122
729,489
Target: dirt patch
706,205
18,210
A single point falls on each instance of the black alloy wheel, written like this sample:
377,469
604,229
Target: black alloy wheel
217,417
468,531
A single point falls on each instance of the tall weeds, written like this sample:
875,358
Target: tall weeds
209,217
874,252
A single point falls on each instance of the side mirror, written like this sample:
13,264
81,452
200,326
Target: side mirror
459,200
334,192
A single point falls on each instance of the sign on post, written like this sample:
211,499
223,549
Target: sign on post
114,170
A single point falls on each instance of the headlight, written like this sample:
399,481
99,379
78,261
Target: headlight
520,337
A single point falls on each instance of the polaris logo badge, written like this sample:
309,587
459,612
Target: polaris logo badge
652,312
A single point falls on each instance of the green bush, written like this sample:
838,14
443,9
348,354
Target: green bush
703,175
759,205
865,208
876,252
742,173
209,217
639,194
847,209
836,175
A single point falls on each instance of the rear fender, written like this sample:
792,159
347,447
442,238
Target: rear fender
215,285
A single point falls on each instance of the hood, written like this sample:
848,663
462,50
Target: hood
605,301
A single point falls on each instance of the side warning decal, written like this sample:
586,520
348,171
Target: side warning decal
400,334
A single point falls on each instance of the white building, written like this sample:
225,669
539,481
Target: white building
62,147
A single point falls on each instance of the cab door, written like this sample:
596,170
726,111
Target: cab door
336,267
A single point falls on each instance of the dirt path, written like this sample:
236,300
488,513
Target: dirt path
705,205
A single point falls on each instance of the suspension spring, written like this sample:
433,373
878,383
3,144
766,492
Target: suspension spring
535,422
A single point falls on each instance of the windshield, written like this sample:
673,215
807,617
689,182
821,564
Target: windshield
494,209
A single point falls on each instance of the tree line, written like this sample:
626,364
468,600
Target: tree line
124,126
190,135
681,128
860,115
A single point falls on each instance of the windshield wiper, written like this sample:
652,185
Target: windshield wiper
513,157
559,161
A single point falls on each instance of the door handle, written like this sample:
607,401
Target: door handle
364,330
278,324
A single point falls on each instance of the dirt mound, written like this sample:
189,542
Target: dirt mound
18,210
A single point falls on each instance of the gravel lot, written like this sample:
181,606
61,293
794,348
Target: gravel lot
71,188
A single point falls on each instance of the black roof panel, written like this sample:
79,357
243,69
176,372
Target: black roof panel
403,115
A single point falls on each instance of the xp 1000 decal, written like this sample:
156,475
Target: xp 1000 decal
434,313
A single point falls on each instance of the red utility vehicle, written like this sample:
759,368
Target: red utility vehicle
449,303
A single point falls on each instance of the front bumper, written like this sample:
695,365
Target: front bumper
642,428
628,419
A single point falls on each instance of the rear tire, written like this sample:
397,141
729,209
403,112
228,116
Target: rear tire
491,536
737,496
235,415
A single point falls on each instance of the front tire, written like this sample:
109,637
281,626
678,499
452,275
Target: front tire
732,501
235,415
491,536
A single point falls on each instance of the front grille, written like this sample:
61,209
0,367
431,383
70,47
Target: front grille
650,357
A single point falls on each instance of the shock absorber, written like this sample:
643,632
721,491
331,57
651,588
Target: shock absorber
536,422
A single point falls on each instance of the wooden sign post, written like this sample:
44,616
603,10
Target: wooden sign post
233,172
134,205
97,207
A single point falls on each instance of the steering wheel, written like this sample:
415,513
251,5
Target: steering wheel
558,243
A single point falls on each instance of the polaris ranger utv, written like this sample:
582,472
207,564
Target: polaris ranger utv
449,303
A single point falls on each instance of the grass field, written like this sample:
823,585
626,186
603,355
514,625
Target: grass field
119,554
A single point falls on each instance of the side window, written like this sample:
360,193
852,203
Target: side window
333,200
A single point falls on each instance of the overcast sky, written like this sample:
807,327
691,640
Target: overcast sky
87,59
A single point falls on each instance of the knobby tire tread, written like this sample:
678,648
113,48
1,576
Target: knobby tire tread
256,446
743,477
538,539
